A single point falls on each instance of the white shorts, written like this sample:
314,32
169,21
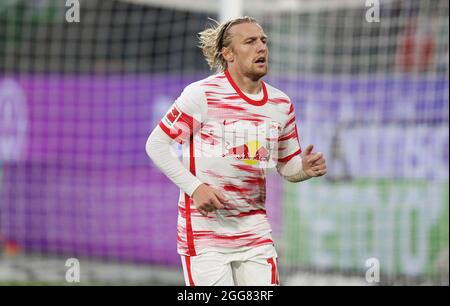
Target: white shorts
254,267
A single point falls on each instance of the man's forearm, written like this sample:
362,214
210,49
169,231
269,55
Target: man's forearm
159,149
293,170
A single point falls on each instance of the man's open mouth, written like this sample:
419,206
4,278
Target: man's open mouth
261,60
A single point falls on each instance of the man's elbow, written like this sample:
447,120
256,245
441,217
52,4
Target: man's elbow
149,146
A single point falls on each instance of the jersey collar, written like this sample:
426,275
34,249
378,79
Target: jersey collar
243,96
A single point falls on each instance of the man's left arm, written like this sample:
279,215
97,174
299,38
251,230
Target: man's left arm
291,164
300,168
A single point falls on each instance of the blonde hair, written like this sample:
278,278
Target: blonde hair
213,39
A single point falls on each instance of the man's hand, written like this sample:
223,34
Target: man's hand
314,164
208,199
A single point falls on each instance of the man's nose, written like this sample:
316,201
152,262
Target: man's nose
262,47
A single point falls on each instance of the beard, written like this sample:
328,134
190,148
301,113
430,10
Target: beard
256,73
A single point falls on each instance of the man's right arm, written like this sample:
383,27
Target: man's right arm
179,123
159,149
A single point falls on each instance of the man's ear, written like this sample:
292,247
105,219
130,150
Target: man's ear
228,54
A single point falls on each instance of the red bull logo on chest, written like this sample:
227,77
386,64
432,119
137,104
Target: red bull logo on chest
252,152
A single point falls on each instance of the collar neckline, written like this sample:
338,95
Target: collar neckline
242,94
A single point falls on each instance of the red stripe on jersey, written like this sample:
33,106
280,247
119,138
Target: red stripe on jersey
290,121
191,153
291,109
235,188
278,101
233,97
210,84
189,271
243,96
298,138
256,243
257,181
249,169
209,93
212,235
190,238
274,271
209,139
249,213
222,105
189,234
290,135
289,157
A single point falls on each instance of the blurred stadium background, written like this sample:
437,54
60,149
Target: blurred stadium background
78,100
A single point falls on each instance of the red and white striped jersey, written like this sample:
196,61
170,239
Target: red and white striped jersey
228,141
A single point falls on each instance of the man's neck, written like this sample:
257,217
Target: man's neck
244,83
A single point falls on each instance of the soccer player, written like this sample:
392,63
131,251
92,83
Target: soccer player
232,127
